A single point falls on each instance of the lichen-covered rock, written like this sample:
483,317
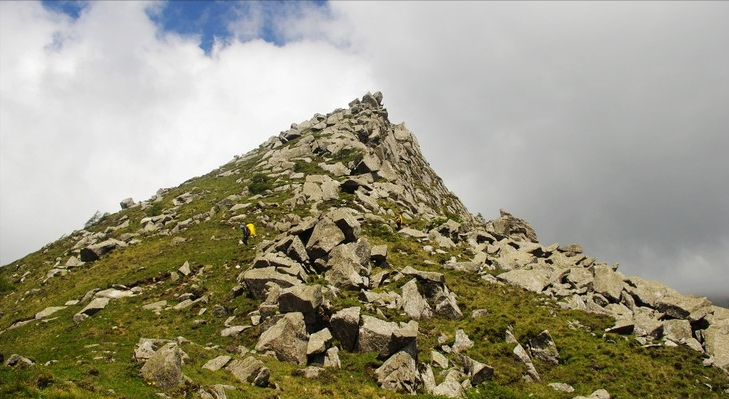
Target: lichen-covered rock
164,368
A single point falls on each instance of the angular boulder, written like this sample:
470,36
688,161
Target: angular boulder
250,370
256,279
287,339
325,236
164,368
302,298
543,348
345,327
91,309
399,373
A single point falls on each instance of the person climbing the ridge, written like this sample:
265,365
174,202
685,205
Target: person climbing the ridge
249,230
398,221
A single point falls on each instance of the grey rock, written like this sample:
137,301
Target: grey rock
91,309
48,311
438,359
325,236
477,371
717,344
164,368
347,223
96,251
18,361
427,378
217,363
345,327
531,375
287,339
345,268
301,298
416,234
146,347
461,342
608,283
249,370
385,338
509,226
319,342
599,394
233,331
126,203
688,307
561,387
543,348
255,280
378,255
534,280
399,373
155,306
423,275
185,269
450,387
414,304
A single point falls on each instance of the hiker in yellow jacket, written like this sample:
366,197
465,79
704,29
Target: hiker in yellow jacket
249,230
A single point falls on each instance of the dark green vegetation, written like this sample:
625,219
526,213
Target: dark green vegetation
94,359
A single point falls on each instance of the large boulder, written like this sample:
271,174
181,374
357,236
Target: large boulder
287,339
399,373
543,348
164,368
325,236
688,307
477,371
91,309
414,304
509,226
347,223
250,370
608,283
347,268
255,280
534,280
451,386
345,327
717,344
96,251
385,338
305,299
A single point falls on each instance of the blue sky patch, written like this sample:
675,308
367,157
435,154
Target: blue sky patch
209,19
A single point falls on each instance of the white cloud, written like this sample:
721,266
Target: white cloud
117,110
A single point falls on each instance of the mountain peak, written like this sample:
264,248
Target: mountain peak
374,159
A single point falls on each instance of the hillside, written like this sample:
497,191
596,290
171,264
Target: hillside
331,298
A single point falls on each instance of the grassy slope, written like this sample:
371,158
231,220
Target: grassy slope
94,359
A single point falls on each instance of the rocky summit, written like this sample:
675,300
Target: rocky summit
366,277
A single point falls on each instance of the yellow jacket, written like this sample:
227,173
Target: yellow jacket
252,229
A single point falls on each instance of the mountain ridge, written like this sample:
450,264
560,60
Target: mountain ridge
333,284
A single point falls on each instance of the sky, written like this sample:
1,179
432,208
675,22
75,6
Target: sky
600,123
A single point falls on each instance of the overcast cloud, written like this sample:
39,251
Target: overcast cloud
600,123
